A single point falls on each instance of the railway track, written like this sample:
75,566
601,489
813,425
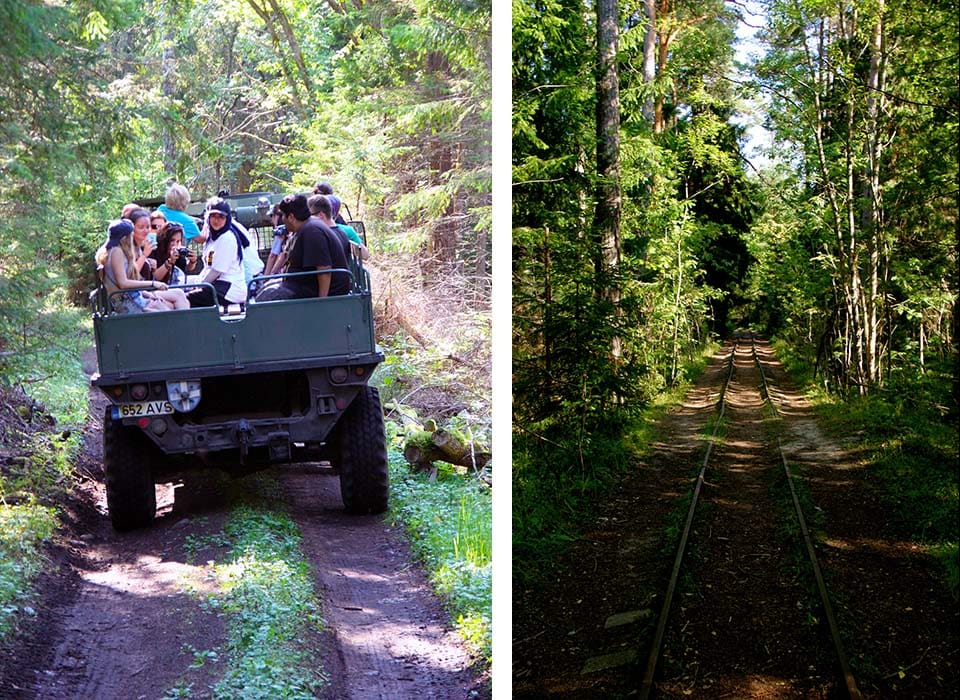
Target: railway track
724,570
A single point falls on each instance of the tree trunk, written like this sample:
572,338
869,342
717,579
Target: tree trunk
663,55
168,62
871,219
442,157
650,54
264,13
607,212
424,448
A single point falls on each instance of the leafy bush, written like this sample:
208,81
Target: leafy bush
560,474
23,528
43,361
908,435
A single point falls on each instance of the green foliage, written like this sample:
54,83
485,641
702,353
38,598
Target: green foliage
556,485
45,351
910,445
23,529
268,599
450,525
867,274
560,477
406,131
595,344
39,467
419,384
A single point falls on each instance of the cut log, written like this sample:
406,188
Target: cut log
424,448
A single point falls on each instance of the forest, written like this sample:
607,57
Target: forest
646,227
388,101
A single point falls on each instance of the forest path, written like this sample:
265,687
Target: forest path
120,616
586,632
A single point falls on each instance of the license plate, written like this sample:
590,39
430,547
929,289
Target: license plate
142,409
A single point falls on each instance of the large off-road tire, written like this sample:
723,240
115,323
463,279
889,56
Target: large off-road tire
362,443
131,496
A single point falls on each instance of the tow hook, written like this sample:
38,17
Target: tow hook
244,433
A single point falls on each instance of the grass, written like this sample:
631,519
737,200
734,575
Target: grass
22,529
449,520
266,598
38,472
558,482
47,364
449,523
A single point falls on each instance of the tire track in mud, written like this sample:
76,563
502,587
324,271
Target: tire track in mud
120,615
389,637
123,630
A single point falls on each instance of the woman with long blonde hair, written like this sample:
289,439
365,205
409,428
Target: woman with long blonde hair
120,274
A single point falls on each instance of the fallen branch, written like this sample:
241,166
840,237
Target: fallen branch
424,448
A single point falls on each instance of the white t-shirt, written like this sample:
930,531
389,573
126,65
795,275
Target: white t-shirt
221,255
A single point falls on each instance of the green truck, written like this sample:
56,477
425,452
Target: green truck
276,382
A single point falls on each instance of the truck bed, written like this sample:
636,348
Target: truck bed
294,332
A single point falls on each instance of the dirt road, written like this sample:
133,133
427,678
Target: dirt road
121,616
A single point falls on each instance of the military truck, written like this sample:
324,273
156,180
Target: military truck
240,389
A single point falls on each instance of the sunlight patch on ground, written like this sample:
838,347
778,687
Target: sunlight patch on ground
895,549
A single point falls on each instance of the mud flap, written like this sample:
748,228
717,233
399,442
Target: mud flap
278,446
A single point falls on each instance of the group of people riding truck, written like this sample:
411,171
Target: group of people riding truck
147,256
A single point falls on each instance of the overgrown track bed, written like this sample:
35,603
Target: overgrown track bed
743,584
585,628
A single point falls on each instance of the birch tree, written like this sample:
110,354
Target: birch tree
846,102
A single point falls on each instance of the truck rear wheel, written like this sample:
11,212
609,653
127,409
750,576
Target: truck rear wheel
364,482
131,496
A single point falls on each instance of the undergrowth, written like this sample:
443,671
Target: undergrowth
447,517
43,395
908,437
22,529
449,523
266,597
561,475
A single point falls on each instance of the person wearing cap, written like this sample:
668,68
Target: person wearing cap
120,273
223,258
325,188
315,248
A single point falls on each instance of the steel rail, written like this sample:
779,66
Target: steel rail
847,673
651,668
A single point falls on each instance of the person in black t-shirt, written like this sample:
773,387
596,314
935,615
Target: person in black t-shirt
316,247
320,210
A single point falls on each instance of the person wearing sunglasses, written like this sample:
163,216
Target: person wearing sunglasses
157,221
